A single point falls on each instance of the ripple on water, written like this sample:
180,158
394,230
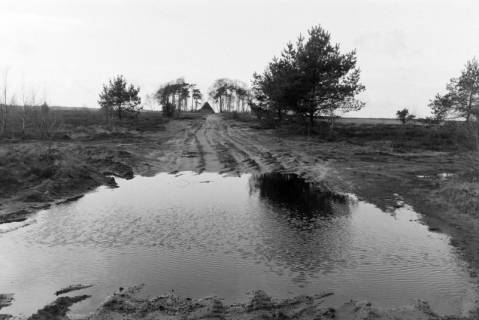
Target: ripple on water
228,236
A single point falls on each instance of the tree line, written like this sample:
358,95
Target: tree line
230,95
121,99
174,96
226,94
311,78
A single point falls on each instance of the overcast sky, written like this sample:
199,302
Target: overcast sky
65,50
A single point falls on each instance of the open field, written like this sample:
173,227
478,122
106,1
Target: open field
368,120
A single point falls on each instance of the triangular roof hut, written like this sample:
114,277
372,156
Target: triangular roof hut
206,108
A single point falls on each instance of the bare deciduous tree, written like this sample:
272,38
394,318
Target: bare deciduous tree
4,102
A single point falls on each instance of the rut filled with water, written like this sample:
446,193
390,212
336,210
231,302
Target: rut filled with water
210,234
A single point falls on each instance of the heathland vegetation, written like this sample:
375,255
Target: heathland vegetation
50,154
305,90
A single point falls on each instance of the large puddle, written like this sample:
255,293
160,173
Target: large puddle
208,234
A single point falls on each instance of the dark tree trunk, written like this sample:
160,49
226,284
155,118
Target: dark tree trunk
469,107
23,122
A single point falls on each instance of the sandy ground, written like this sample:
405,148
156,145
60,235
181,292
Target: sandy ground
442,186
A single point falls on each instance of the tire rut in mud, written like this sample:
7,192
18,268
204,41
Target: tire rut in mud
212,144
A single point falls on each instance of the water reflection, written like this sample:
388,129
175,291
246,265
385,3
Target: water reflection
226,237
303,229
293,193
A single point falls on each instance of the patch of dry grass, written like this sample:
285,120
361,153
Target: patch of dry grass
60,123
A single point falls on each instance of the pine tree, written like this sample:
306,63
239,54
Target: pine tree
462,97
120,98
312,77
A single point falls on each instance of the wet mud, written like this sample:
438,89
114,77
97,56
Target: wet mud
127,304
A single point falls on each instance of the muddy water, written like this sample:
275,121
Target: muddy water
209,234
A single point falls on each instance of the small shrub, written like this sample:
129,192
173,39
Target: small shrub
43,172
404,116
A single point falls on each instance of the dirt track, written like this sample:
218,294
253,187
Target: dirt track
217,145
